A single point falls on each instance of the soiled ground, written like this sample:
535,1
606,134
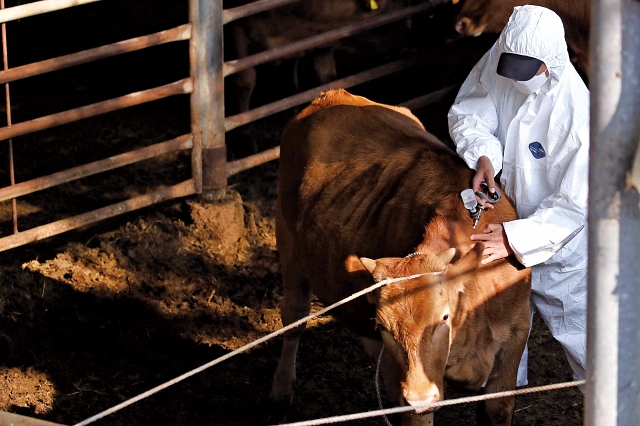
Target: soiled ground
96,316
111,315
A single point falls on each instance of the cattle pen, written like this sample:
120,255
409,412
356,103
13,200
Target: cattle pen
615,117
205,86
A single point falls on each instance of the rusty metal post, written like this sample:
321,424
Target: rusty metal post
613,342
207,99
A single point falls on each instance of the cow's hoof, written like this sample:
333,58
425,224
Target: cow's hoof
277,411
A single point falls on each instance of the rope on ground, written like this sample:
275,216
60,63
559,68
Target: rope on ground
376,413
245,348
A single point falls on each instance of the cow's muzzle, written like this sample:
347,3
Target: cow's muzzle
416,400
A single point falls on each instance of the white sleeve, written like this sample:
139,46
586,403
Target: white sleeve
560,217
473,120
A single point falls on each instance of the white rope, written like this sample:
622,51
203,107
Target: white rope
386,420
369,414
244,348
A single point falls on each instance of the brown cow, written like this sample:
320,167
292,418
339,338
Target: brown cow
478,16
285,25
359,178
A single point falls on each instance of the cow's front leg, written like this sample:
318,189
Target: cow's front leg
295,305
503,378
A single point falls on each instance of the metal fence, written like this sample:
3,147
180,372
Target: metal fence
184,142
205,85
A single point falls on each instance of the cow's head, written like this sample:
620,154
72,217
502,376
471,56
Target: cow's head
416,316
483,16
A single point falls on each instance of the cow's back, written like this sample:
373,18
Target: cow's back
358,177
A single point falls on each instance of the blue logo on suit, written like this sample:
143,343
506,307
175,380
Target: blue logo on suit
537,150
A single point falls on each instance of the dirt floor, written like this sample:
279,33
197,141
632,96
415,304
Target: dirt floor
96,316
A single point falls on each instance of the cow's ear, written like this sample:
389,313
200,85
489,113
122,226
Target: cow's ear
357,270
467,264
353,264
369,264
446,256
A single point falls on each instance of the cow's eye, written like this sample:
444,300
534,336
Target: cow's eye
446,317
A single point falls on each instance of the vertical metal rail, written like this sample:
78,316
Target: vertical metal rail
207,100
613,344
196,151
12,176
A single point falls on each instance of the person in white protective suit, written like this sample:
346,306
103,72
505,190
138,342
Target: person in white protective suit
524,110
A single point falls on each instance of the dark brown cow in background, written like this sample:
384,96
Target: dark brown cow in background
360,181
491,16
285,25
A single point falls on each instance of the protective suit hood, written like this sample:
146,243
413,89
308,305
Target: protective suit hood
536,32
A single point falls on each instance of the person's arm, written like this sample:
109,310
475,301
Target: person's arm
473,119
560,217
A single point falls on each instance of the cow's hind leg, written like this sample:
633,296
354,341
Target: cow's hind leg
295,305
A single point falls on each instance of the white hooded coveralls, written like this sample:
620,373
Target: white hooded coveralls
541,142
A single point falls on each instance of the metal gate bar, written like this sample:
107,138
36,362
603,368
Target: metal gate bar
430,98
237,65
28,187
246,163
237,120
45,231
38,8
183,32
176,88
252,8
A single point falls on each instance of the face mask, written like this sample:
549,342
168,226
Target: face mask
532,85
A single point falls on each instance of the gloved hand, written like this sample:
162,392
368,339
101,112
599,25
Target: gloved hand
484,173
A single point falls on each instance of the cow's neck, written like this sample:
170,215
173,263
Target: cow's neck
471,286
